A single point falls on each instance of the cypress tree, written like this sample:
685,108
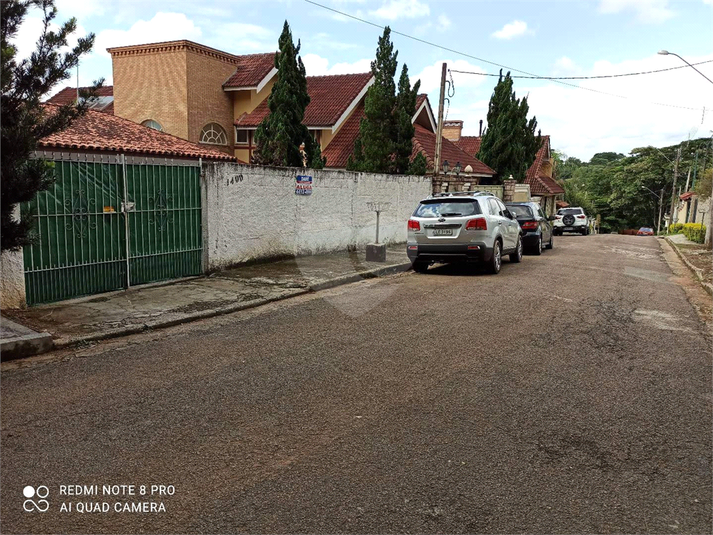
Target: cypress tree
374,147
405,108
509,143
24,119
281,135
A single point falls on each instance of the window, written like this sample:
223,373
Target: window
520,210
569,211
450,208
153,124
242,137
214,134
494,209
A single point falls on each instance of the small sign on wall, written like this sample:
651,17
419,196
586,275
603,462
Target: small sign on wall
303,185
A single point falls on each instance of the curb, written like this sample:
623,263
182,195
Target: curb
63,343
696,271
27,344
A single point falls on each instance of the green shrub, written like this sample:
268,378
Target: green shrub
695,232
675,228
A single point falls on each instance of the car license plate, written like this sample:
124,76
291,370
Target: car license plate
442,232
569,228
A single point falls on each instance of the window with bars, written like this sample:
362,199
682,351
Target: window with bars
214,134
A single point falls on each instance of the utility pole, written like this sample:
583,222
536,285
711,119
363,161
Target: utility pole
658,226
673,194
707,241
439,130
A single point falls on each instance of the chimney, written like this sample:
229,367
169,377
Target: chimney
452,130
480,131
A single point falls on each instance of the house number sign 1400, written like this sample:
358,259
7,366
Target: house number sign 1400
236,179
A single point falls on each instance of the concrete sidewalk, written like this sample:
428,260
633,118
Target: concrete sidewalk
697,257
156,306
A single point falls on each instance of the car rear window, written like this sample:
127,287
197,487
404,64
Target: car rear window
449,208
520,210
569,211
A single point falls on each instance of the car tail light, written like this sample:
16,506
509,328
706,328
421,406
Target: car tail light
581,216
529,225
558,217
479,223
414,225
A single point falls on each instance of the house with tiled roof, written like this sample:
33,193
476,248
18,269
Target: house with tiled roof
543,187
424,142
218,99
103,133
104,100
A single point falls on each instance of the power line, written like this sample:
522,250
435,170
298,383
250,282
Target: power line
482,60
597,77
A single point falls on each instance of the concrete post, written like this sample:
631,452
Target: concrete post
509,189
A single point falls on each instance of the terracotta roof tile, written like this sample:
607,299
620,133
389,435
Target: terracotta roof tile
330,97
98,131
540,183
342,145
251,70
470,144
425,141
68,95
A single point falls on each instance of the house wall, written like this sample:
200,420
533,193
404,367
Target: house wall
207,102
252,212
152,85
245,101
12,280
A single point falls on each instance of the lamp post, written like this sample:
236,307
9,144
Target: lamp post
660,198
667,53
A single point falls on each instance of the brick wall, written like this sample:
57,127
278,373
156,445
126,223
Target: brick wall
452,130
152,86
207,102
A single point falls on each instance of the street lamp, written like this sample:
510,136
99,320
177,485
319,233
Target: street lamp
445,167
667,53
660,198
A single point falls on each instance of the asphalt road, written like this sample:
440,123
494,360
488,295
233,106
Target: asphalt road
569,394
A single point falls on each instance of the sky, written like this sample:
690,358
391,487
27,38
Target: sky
544,38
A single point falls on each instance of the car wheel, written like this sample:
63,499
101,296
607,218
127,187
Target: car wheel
517,255
496,260
551,244
584,231
537,250
420,267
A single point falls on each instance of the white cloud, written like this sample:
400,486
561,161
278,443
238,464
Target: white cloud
26,39
647,11
81,10
443,22
512,29
162,27
240,37
402,9
564,66
316,65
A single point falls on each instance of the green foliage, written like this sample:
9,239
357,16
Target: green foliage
385,140
565,166
509,143
695,232
704,184
418,165
281,134
604,158
24,119
675,228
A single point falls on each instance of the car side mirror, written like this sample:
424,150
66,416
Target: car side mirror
508,214
551,218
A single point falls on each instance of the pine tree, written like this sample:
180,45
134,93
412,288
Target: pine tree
405,108
281,134
418,165
24,119
374,147
509,143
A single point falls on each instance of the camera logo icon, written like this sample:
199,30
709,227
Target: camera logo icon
39,493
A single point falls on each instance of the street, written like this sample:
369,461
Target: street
571,393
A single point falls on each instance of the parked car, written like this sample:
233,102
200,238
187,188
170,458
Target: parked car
463,227
571,220
645,231
536,226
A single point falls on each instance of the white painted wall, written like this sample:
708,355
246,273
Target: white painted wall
260,216
12,280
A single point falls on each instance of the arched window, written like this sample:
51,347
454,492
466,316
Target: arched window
153,124
214,134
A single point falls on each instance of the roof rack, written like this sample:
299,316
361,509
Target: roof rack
460,193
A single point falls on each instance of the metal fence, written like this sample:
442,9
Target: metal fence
109,222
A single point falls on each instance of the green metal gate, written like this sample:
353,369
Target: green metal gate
110,222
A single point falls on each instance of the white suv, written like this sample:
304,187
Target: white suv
571,220
463,227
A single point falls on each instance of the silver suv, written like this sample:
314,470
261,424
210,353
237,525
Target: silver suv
463,227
